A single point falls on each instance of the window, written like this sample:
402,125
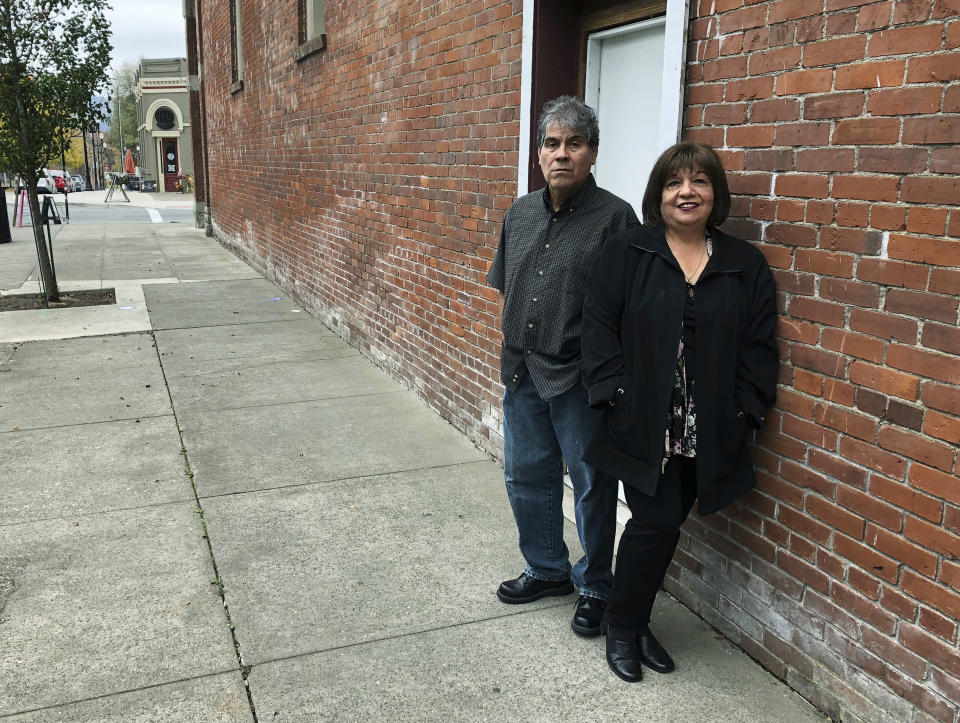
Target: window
236,46
164,119
312,28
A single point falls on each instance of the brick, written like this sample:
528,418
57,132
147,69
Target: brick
844,421
783,10
866,557
933,537
824,262
802,82
794,283
707,93
884,326
840,392
946,161
950,574
938,252
749,89
922,305
867,188
803,571
945,657
735,67
911,11
942,338
937,708
808,133
835,51
891,651
841,24
925,363
805,477
942,129
882,74
915,446
898,603
775,110
935,482
835,516
939,597
801,185
890,218
863,608
904,101
923,220
904,415
945,9
874,17
769,160
942,427
889,381
945,281
906,497
853,214
833,105
838,468
818,311
791,234
893,273
856,294
775,60
870,508
892,160
937,68
899,549
930,190
906,40
938,396
938,624
886,463
863,583
953,36
750,136
871,402
742,19
725,114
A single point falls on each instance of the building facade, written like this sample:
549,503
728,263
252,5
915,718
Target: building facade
164,122
366,152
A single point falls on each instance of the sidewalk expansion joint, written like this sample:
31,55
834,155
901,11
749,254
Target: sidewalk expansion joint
245,669
104,696
135,419
337,480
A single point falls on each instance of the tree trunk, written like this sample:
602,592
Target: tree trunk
46,269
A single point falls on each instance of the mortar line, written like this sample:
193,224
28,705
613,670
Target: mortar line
244,669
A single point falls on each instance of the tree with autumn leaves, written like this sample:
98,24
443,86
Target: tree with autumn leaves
53,58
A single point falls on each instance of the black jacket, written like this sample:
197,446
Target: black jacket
632,321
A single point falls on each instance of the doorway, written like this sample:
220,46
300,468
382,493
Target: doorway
628,104
170,162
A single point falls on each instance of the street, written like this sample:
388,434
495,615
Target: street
114,212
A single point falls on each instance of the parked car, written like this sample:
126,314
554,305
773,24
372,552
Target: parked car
61,181
78,183
133,182
45,182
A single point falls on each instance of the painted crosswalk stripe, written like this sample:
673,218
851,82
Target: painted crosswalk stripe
154,215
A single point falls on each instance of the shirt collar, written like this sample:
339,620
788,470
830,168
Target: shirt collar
571,202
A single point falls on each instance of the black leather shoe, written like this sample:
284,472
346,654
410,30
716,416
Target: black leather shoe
623,657
526,589
587,616
653,655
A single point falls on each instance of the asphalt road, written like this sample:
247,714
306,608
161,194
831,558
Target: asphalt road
115,213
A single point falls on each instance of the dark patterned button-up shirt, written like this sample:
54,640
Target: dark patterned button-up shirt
541,266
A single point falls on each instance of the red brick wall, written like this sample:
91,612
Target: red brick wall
838,121
370,181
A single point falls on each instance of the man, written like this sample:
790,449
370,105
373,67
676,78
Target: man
547,244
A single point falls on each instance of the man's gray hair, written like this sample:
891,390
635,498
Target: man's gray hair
570,114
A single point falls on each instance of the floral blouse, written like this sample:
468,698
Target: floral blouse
680,438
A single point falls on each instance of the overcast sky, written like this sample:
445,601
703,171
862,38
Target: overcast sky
147,28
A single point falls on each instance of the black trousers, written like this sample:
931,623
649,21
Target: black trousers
647,545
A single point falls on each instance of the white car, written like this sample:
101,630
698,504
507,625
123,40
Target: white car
45,183
78,183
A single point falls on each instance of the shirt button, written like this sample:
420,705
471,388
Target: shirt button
546,245
529,351
534,298
530,325
540,272
514,376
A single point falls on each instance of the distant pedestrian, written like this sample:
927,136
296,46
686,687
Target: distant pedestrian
679,352
548,242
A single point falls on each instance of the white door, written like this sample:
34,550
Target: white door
624,82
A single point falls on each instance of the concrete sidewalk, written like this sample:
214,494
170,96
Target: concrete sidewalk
231,515
137,198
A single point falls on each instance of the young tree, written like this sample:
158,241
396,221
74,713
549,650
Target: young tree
124,111
53,54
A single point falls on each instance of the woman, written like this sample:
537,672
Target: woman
678,349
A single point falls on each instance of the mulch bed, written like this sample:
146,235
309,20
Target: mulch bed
94,297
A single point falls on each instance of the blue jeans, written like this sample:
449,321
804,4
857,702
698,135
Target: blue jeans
538,435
